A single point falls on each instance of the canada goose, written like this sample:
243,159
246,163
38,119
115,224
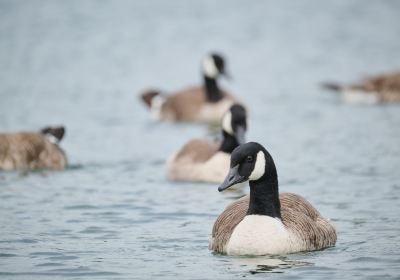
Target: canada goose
377,89
205,103
205,161
30,150
265,223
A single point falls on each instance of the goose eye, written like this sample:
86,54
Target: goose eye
249,159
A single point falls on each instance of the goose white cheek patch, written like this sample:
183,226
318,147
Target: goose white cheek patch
227,123
259,167
209,68
52,138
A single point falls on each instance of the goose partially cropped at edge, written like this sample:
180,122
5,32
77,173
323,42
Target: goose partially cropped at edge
32,150
383,88
266,223
201,160
206,103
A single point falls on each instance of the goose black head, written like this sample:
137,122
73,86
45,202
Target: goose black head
54,133
249,162
234,122
214,66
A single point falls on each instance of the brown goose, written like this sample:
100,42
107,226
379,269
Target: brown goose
265,222
30,150
205,103
204,161
378,89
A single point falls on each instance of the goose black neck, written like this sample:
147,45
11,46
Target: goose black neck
229,143
212,90
264,197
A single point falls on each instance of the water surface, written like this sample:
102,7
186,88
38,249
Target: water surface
113,214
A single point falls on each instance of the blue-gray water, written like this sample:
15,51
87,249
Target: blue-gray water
113,214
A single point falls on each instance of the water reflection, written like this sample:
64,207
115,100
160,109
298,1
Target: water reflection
268,264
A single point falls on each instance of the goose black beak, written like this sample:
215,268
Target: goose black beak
232,178
240,135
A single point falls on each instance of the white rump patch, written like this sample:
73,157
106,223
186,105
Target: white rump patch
352,96
259,167
156,104
209,67
227,122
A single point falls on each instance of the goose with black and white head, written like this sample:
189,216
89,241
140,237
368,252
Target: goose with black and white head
206,103
201,160
33,150
266,223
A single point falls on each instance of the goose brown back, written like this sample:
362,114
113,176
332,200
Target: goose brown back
27,150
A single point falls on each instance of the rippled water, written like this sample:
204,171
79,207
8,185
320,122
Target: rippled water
113,214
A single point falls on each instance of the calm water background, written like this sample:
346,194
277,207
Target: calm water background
113,214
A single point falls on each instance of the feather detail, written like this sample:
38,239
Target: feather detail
307,229
27,150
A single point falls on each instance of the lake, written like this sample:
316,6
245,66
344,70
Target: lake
113,214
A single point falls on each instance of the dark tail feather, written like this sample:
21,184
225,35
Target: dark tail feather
57,131
332,86
148,95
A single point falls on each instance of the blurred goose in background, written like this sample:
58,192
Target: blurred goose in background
206,161
265,222
31,150
205,103
375,89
